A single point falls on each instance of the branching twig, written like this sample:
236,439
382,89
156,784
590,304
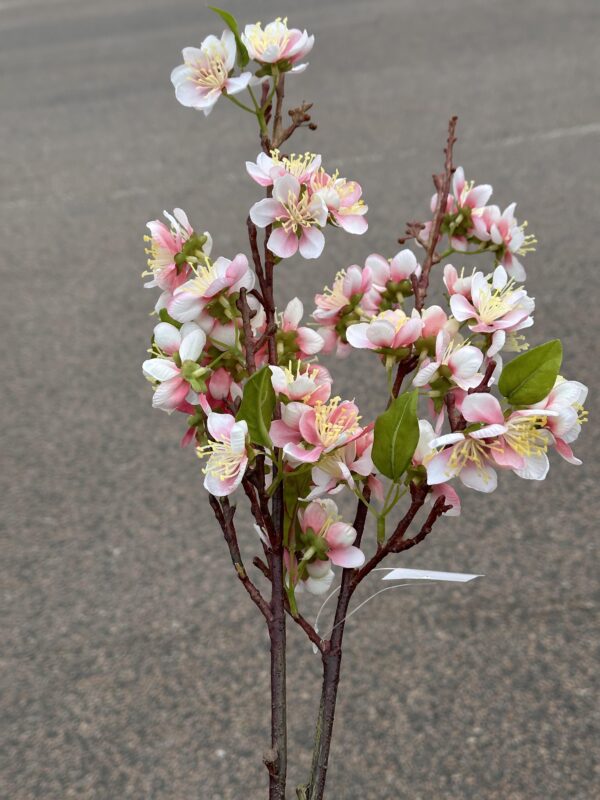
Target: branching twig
405,367
438,508
300,119
249,342
297,617
224,514
419,493
442,184
455,418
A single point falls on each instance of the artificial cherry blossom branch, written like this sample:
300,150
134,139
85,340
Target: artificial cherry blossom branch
261,408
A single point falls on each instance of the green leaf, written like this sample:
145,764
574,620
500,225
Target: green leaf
242,54
164,316
258,405
529,378
396,436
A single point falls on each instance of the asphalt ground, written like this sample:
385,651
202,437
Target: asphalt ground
133,665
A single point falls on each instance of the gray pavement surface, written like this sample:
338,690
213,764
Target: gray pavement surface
133,665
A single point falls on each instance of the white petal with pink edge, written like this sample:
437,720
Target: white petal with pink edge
192,345
161,369
482,407
482,478
312,243
347,557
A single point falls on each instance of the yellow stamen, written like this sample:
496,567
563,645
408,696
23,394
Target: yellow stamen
262,39
471,451
335,298
496,303
300,215
211,74
205,275
525,435
296,164
223,463
330,431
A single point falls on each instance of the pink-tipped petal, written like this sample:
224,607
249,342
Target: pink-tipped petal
482,408
283,244
347,557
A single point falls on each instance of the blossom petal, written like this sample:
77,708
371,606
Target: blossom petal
266,211
482,478
299,453
357,336
161,369
347,557
238,84
439,469
461,308
535,468
283,244
192,345
167,337
220,425
311,243
482,408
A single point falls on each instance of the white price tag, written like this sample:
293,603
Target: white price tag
428,575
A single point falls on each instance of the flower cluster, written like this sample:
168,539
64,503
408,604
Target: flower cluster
259,405
304,198
208,71
471,224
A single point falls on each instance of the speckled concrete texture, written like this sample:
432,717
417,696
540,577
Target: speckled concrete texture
133,665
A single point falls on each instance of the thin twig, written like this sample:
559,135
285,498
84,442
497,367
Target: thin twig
419,493
297,617
405,367
442,184
438,508
224,514
249,342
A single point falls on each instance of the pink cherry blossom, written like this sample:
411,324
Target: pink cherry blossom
461,361
435,320
307,341
299,217
498,305
323,519
509,238
205,73
307,383
348,289
386,275
211,278
469,455
343,201
226,452
388,329
222,390
276,43
307,433
166,242
173,382
339,467
266,169
465,212
469,200
457,284
523,446
564,415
